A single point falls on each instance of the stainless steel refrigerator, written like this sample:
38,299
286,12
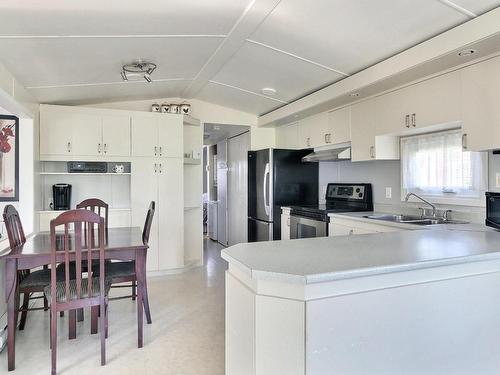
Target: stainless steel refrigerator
277,178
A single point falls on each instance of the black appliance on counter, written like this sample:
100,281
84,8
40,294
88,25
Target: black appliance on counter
312,221
493,210
61,194
276,178
87,167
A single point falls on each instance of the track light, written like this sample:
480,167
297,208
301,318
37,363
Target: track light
138,70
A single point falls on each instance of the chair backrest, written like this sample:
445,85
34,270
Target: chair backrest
74,245
96,205
14,227
147,224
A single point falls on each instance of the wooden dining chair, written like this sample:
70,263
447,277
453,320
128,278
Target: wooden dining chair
29,281
101,208
122,272
72,294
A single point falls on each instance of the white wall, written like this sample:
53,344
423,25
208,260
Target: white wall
206,112
15,100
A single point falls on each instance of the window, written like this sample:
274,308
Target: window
435,166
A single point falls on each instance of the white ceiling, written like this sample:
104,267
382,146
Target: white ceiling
220,51
214,133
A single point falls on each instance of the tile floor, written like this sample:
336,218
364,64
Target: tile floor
186,337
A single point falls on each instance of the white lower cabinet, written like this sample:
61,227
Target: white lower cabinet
160,180
285,223
347,227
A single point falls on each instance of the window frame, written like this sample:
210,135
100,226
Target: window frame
447,198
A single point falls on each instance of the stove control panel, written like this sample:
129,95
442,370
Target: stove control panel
346,191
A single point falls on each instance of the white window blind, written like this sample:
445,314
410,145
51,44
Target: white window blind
436,166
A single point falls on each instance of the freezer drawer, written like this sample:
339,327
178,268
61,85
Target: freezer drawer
259,230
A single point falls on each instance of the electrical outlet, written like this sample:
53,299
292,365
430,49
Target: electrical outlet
388,192
498,180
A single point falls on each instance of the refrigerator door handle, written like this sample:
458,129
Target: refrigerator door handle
264,188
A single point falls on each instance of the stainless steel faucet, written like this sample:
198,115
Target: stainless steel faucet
434,208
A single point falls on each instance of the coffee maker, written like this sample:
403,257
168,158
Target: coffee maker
61,194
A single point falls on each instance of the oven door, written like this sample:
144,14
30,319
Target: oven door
305,227
493,210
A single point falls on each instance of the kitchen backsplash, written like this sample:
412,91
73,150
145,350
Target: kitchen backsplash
386,174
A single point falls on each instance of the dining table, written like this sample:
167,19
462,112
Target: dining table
125,244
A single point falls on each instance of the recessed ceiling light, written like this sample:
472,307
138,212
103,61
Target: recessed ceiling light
269,91
466,52
354,94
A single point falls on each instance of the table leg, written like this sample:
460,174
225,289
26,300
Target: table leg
140,271
10,295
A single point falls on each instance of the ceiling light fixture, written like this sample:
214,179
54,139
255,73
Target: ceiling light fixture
139,69
269,91
466,52
354,94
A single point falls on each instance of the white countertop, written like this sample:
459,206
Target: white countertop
323,259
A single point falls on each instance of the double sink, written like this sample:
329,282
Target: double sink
415,220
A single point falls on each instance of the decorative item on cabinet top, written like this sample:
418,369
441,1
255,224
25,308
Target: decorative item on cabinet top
183,108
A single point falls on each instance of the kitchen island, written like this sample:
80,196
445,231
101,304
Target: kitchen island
413,302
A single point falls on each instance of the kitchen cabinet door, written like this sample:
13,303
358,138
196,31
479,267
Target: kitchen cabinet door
339,126
313,130
56,137
436,101
170,136
143,190
287,136
393,111
480,105
144,135
171,213
362,131
116,135
86,131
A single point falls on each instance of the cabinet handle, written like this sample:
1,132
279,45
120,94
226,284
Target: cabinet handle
156,151
99,148
372,152
351,232
156,168
413,119
464,141
407,121
288,222
160,151
308,142
329,137
326,138
105,148
160,166
69,146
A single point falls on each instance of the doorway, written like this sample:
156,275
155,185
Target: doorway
226,182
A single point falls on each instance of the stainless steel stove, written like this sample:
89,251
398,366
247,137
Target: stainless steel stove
312,221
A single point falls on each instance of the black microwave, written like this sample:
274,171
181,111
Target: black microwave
493,210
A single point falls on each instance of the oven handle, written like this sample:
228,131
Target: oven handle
265,190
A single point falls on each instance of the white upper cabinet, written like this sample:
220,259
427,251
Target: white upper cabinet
287,136
116,135
157,135
431,102
313,131
82,133
363,131
339,126
480,104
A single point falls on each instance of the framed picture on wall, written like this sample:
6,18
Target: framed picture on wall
9,158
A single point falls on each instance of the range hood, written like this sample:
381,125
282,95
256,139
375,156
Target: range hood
338,152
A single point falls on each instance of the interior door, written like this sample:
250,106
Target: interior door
144,189
170,136
171,213
144,135
86,132
237,188
116,135
222,237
